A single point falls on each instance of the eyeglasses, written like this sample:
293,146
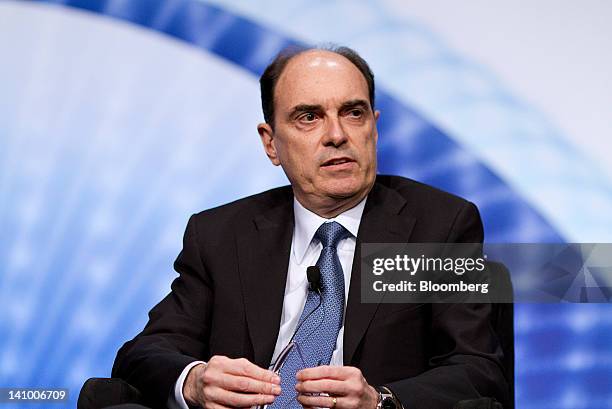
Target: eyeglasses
292,347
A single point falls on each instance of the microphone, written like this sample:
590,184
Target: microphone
313,273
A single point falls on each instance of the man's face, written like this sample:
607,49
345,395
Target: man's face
325,132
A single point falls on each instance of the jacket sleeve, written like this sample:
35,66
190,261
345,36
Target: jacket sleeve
466,359
177,331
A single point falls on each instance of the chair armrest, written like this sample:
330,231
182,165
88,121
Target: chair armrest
98,393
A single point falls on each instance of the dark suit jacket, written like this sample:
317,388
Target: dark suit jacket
228,300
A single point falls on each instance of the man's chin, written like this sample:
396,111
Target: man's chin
345,192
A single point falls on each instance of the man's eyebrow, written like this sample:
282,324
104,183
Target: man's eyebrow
355,103
298,109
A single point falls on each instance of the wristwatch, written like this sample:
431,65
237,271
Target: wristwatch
386,399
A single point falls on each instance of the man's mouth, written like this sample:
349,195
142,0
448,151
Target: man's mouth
337,161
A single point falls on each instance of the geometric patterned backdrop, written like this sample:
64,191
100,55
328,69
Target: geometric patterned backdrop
119,119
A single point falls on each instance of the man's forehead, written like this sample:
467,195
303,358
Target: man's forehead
319,58
316,75
317,62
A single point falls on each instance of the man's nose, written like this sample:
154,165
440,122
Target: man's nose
335,133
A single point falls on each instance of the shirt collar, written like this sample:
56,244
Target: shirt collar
307,223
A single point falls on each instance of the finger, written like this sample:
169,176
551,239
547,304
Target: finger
323,372
318,401
249,385
243,367
330,386
235,399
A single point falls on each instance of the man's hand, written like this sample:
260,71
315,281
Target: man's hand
345,384
225,382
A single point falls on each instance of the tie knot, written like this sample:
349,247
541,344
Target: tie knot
329,234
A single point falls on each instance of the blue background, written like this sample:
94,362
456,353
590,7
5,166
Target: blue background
100,173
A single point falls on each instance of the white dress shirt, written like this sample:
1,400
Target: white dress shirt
304,253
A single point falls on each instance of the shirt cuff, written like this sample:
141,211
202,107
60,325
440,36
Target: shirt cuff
176,400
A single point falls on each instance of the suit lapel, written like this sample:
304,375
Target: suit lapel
384,220
263,257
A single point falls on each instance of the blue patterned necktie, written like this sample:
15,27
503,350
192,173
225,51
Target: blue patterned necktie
321,318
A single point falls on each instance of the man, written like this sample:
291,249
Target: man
242,294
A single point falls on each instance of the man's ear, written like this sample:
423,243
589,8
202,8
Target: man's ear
267,139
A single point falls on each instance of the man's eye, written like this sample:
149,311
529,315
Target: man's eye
356,113
308,117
